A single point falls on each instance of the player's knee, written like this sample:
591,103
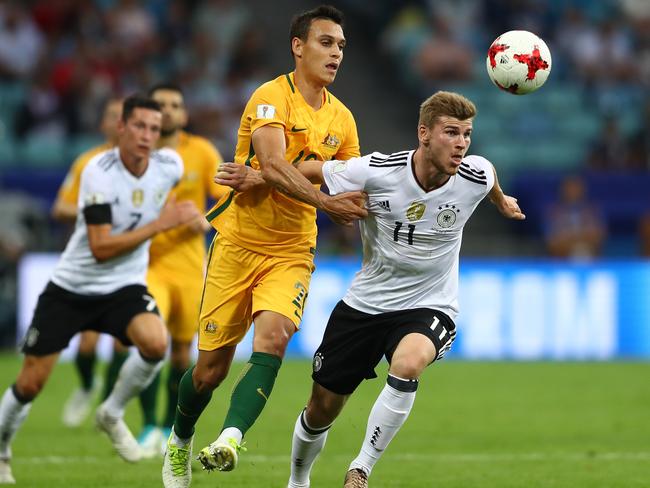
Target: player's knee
409,367
28,387
154,349
272,334
208,379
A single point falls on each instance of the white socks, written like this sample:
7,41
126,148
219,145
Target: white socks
389,413
307,443
231,432
135,375
12,414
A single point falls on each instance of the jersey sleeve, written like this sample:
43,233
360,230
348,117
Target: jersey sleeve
342,176
267,106
96,187
479,163
350,147
173,164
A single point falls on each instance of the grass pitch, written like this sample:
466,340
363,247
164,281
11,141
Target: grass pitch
474,424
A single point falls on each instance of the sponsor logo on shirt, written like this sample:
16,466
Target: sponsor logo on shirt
137,197
415,211
159,196
331,141
385,204
265,112
446,215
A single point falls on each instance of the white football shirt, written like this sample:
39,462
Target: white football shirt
135,201
411,237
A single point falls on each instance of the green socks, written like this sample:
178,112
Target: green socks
248,399
86,368
113,370
148,401
252,390
173,381
191,404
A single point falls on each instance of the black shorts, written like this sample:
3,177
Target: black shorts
354,342
60,314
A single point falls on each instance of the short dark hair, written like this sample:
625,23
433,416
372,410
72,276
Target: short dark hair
301,23
165,86
138,101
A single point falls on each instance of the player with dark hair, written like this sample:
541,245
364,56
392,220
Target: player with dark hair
99,282
261,260
64,209
177,258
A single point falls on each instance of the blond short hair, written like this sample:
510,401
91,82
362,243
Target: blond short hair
444,103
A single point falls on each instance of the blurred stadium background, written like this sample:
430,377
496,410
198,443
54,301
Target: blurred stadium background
576,153
570,284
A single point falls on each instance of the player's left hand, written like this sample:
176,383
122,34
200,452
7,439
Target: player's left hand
239,177
509,207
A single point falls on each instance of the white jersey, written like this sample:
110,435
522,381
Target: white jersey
135,201
411,237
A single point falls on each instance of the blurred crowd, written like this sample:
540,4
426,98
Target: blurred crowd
71,55
600,83
60,60
603,47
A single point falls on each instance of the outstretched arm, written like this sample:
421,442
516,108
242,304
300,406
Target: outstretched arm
243,178
506,204
270,148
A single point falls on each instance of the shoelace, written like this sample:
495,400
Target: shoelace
358,478
178,459
238,447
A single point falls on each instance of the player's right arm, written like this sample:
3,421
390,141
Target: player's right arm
270,148
105,245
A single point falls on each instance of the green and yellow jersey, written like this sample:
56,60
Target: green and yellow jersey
265,220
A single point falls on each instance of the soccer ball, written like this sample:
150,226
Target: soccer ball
518,62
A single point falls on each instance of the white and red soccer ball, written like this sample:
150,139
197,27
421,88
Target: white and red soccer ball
518,62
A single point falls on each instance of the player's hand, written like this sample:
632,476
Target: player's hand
509,207
198,225
345,208
239,177
175,213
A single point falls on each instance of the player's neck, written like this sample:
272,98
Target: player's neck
169,141
134,165
311,90
426,174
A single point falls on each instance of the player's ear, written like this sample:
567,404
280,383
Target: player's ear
296,47
423,134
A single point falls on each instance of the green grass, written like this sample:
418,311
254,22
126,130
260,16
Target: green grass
474,424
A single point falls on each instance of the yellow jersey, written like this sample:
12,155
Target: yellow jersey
69,191
181,248
265,220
